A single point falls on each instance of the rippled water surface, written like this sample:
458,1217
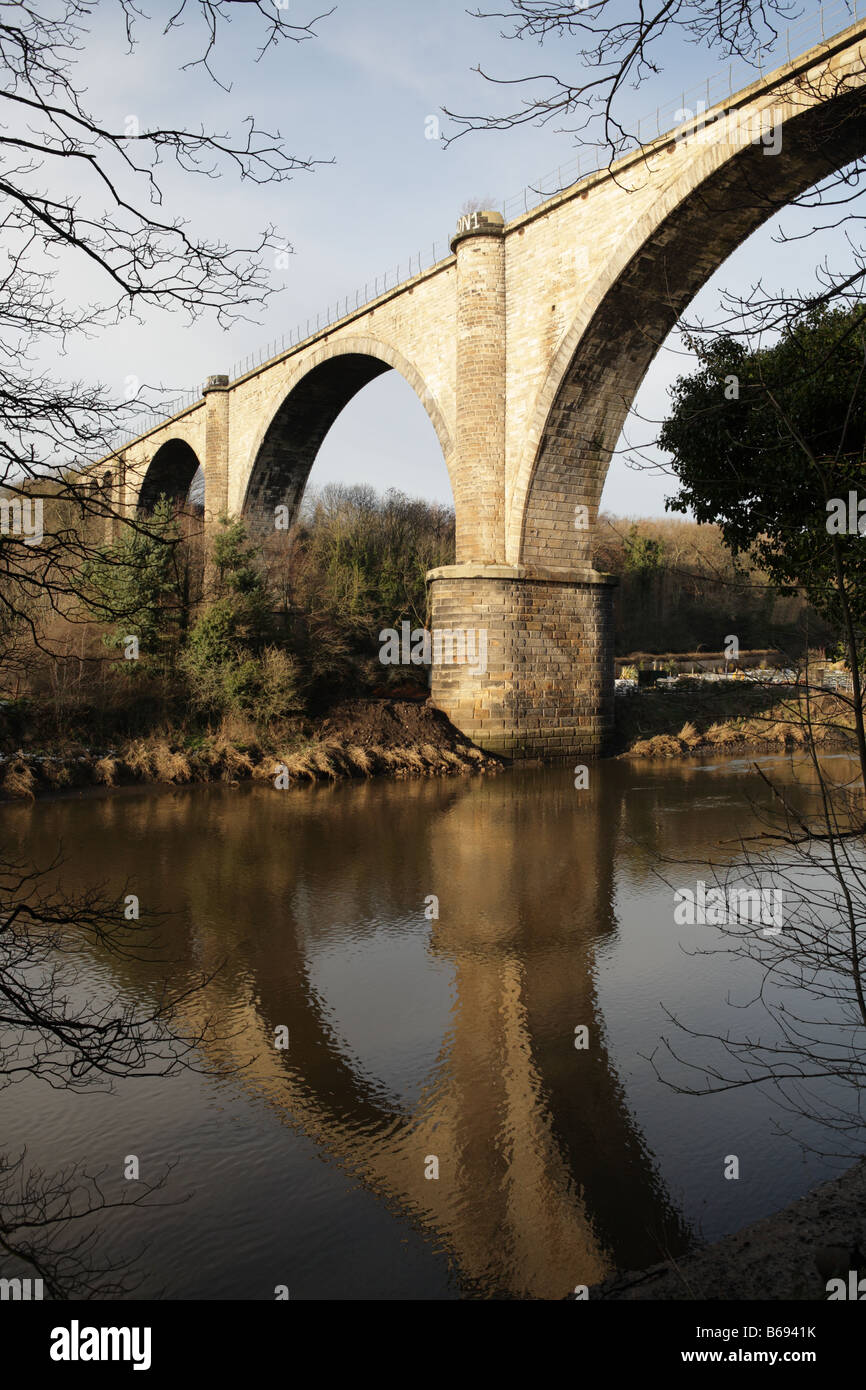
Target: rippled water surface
415,1038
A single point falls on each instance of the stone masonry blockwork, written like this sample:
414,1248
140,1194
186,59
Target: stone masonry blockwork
548,686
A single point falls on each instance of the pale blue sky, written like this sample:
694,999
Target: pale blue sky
361,93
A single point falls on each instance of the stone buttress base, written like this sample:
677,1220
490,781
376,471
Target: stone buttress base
547,686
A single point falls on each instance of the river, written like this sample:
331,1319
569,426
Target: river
432,949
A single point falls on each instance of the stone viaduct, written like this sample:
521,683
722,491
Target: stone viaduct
526,346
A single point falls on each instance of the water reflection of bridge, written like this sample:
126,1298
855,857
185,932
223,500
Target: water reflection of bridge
542,1170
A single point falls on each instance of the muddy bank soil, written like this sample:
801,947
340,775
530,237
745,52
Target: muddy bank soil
358,738
390,724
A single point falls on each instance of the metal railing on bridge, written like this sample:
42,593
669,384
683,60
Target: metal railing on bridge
798,37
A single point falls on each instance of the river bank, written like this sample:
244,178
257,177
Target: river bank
410,738
787,1256
735,717
359,738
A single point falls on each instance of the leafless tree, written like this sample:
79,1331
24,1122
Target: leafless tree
616,52
78,195
802,1040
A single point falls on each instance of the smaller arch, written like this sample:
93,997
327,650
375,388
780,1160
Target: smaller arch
169,474
303,409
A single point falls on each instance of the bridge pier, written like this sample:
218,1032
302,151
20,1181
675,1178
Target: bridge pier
522,656
216,396
544,638
479,476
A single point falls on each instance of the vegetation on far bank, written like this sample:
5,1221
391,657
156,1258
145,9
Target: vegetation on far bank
253,653
695,717
237,669
681,590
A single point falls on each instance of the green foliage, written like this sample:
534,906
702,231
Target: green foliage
230,659
763,438
139,587
363,558
357,563
285,628
643,554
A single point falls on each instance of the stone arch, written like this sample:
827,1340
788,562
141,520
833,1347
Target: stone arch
725,193
304,408
169,473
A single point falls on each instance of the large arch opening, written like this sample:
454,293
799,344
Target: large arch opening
605,358
384,439
175,474
346,522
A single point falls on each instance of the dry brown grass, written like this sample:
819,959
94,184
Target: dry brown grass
57,774
659,746
325,759
300,764
784,725
169,765
233,763
138,757
18,779
689,735
107,770
412,760
360,759
720,734
158,759
237,730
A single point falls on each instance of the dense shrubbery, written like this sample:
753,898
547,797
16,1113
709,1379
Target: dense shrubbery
291,623
232,661
140,586
681,591
356,564
283,626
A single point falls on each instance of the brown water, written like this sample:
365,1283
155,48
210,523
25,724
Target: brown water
415,1038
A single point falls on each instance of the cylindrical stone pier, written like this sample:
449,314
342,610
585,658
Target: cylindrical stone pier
479,489
522,656
216,449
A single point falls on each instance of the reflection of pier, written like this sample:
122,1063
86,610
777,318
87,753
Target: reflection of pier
542,1173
